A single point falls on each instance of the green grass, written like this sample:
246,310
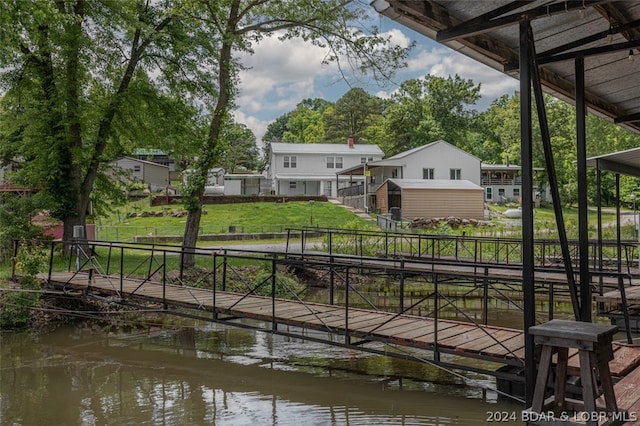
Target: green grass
278,217
545,222
218,218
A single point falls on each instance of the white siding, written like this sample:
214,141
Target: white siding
312,174
155,175
442,157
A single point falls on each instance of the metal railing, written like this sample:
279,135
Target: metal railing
461,248
420,286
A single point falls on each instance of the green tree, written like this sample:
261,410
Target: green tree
448,102
304,125
275,130
351,115
431,108
239,148
239,25
76,71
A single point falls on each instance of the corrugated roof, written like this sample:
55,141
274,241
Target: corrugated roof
324,148
433,184
624,162
604,33
484,166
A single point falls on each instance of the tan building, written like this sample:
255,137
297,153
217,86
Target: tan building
431,198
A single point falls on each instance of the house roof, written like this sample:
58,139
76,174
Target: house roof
145,151
398,159
433,184
624,162
412,151
606,34
150,163
325,148
302,177
503,167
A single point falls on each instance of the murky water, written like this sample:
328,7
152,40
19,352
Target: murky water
209,374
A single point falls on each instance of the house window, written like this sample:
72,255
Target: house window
364,160
290,161
489,193
427,173
501,193
334,162
394,173
455,174
293,185
136,168
516,192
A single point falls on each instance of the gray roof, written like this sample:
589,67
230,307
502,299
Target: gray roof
398,159
412,151
605,33
433,184
325,148
624,162
503,167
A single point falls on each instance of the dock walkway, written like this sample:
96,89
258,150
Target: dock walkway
495,344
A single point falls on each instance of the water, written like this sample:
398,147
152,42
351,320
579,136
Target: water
211,374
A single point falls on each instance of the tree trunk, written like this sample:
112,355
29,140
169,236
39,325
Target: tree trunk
191,236
208,157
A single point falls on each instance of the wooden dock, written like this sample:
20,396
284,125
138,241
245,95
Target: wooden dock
495,344
632,294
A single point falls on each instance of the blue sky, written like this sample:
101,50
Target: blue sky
281,74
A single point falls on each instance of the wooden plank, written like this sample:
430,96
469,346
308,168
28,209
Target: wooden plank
338,320
392,326
476,340
627,392
490,338
625,359
455,330
507,348
406,331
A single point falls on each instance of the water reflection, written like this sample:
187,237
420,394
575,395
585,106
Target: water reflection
204,374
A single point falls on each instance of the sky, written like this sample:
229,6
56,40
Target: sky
280,75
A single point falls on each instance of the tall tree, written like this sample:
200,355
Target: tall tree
239,26
304,125
351,115
73,67
239,148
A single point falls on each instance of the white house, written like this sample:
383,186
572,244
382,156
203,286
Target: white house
502,182
310,169
437,160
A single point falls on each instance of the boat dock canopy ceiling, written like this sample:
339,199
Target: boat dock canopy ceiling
605,33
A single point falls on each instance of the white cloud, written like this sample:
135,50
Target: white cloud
280,74
493,83
257,126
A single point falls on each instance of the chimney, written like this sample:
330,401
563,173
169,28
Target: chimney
350,141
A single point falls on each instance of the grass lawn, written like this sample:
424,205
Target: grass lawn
123,224
244,217
545,222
